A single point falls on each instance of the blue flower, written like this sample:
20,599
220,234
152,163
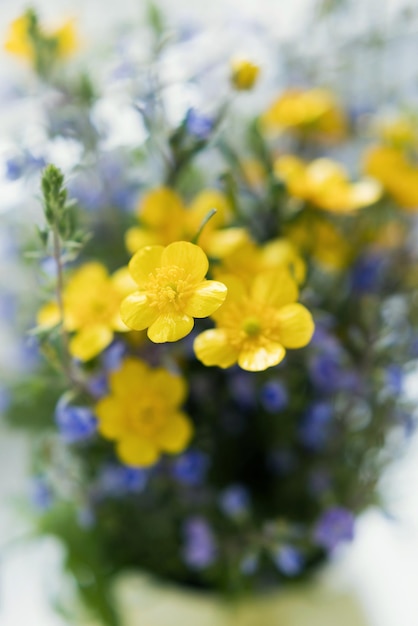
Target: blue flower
191,467
314,429
118,480
199,550
75,423
40,493
113,356
98,386
234,501
367,273
242,389
394,379
289,560
198,124
336,525
274,396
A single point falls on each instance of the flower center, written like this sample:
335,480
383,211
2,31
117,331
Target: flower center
251,326
147,419
169,288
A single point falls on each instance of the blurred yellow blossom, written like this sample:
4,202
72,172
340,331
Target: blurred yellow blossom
256,324
244,74
321,240
165,219
251,259
325,184
398,132
142,414
398,175
171,291
21,38
310,111
91,302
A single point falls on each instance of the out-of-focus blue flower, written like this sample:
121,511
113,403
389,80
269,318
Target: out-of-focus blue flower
336,525
14,168
40,493
198,124
367,273
113,356
75,423
234,501
325,371
394,379
199,550
118,480
314,429
281,461
97,385
289,560
274,396
191,467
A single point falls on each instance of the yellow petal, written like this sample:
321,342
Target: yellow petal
256,358
365,192
123,282
144,262
136,312
137,452
49,315
221,243
110,414
176,434
188,256
212,347
274,288
159,206
170,327
206,299
130,378
90,341
295,325
168,387
137,238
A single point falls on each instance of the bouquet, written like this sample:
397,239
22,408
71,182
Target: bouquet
225,310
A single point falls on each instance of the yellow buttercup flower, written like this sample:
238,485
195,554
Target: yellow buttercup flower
142,413
172,291
398,175
325,184
244,74
20,42
91,302
310,111
322,241
165,219
398,132
251,259
256,324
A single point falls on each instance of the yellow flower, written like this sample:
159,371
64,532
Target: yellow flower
320,239
91,302
256,324
141,413
19,42
244,74
172,290
165,219
311,111
399,132
251,259
398,175
325,184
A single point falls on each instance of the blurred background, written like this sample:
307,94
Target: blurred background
366,51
